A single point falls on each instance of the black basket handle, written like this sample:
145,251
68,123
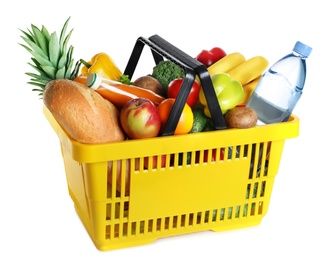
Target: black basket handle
161,48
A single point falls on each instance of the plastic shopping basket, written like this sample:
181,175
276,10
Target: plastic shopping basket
187,194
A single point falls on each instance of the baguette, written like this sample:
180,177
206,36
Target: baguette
83,113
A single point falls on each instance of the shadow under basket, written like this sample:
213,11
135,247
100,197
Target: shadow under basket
218,180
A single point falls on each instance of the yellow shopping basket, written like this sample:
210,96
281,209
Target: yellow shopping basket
123,203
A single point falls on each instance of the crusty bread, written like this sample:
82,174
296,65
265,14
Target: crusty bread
83,113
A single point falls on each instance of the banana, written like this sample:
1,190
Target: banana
227,63
249,70
249,89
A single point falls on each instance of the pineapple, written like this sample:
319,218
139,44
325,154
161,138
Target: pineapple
50,56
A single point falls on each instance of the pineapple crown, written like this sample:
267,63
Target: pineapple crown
51,56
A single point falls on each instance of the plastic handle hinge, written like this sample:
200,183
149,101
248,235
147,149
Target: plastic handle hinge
162,49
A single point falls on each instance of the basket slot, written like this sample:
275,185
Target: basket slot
175,223
259,159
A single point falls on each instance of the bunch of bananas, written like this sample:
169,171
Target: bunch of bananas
247,72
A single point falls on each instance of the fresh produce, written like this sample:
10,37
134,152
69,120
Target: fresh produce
150,83
165,72
229,93
209,125
102,64
249,70
185,121
199,120
118,93
85,115
210,57
234,79
241,117
227,63
140,119
175,85
51,56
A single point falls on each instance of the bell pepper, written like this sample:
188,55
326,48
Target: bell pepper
103,65
210,57
229,93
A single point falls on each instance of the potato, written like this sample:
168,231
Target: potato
148,82
241,117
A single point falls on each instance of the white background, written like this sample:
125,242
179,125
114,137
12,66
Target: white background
37,218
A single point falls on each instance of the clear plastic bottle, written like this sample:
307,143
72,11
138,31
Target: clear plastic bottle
280,87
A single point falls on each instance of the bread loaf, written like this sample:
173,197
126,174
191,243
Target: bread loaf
85,115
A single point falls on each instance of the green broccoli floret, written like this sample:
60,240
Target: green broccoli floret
125,79
166,71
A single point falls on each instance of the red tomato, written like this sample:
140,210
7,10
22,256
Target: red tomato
174,86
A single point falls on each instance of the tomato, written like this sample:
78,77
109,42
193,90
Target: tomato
185,121
174,87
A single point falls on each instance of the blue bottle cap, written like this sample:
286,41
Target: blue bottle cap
302,49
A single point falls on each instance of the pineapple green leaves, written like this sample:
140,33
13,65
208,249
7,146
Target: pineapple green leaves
51,56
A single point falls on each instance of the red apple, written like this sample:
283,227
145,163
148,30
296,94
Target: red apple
140,118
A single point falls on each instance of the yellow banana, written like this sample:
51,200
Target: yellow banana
249,89
227,63
249,70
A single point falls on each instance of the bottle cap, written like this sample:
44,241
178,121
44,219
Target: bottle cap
93,80
302,49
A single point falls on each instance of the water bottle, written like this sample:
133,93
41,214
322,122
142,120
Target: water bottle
280,87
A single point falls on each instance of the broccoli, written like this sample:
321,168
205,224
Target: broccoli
166,71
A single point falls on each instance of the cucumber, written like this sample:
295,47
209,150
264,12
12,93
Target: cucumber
209,126
199,120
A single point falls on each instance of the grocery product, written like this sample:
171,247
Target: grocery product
280,87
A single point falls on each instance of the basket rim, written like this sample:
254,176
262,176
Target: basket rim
90,153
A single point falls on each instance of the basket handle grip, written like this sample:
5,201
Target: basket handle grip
161,48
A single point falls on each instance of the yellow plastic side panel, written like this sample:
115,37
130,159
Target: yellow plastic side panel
76,182
183,190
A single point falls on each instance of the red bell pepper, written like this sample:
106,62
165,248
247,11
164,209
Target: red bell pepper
210,57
